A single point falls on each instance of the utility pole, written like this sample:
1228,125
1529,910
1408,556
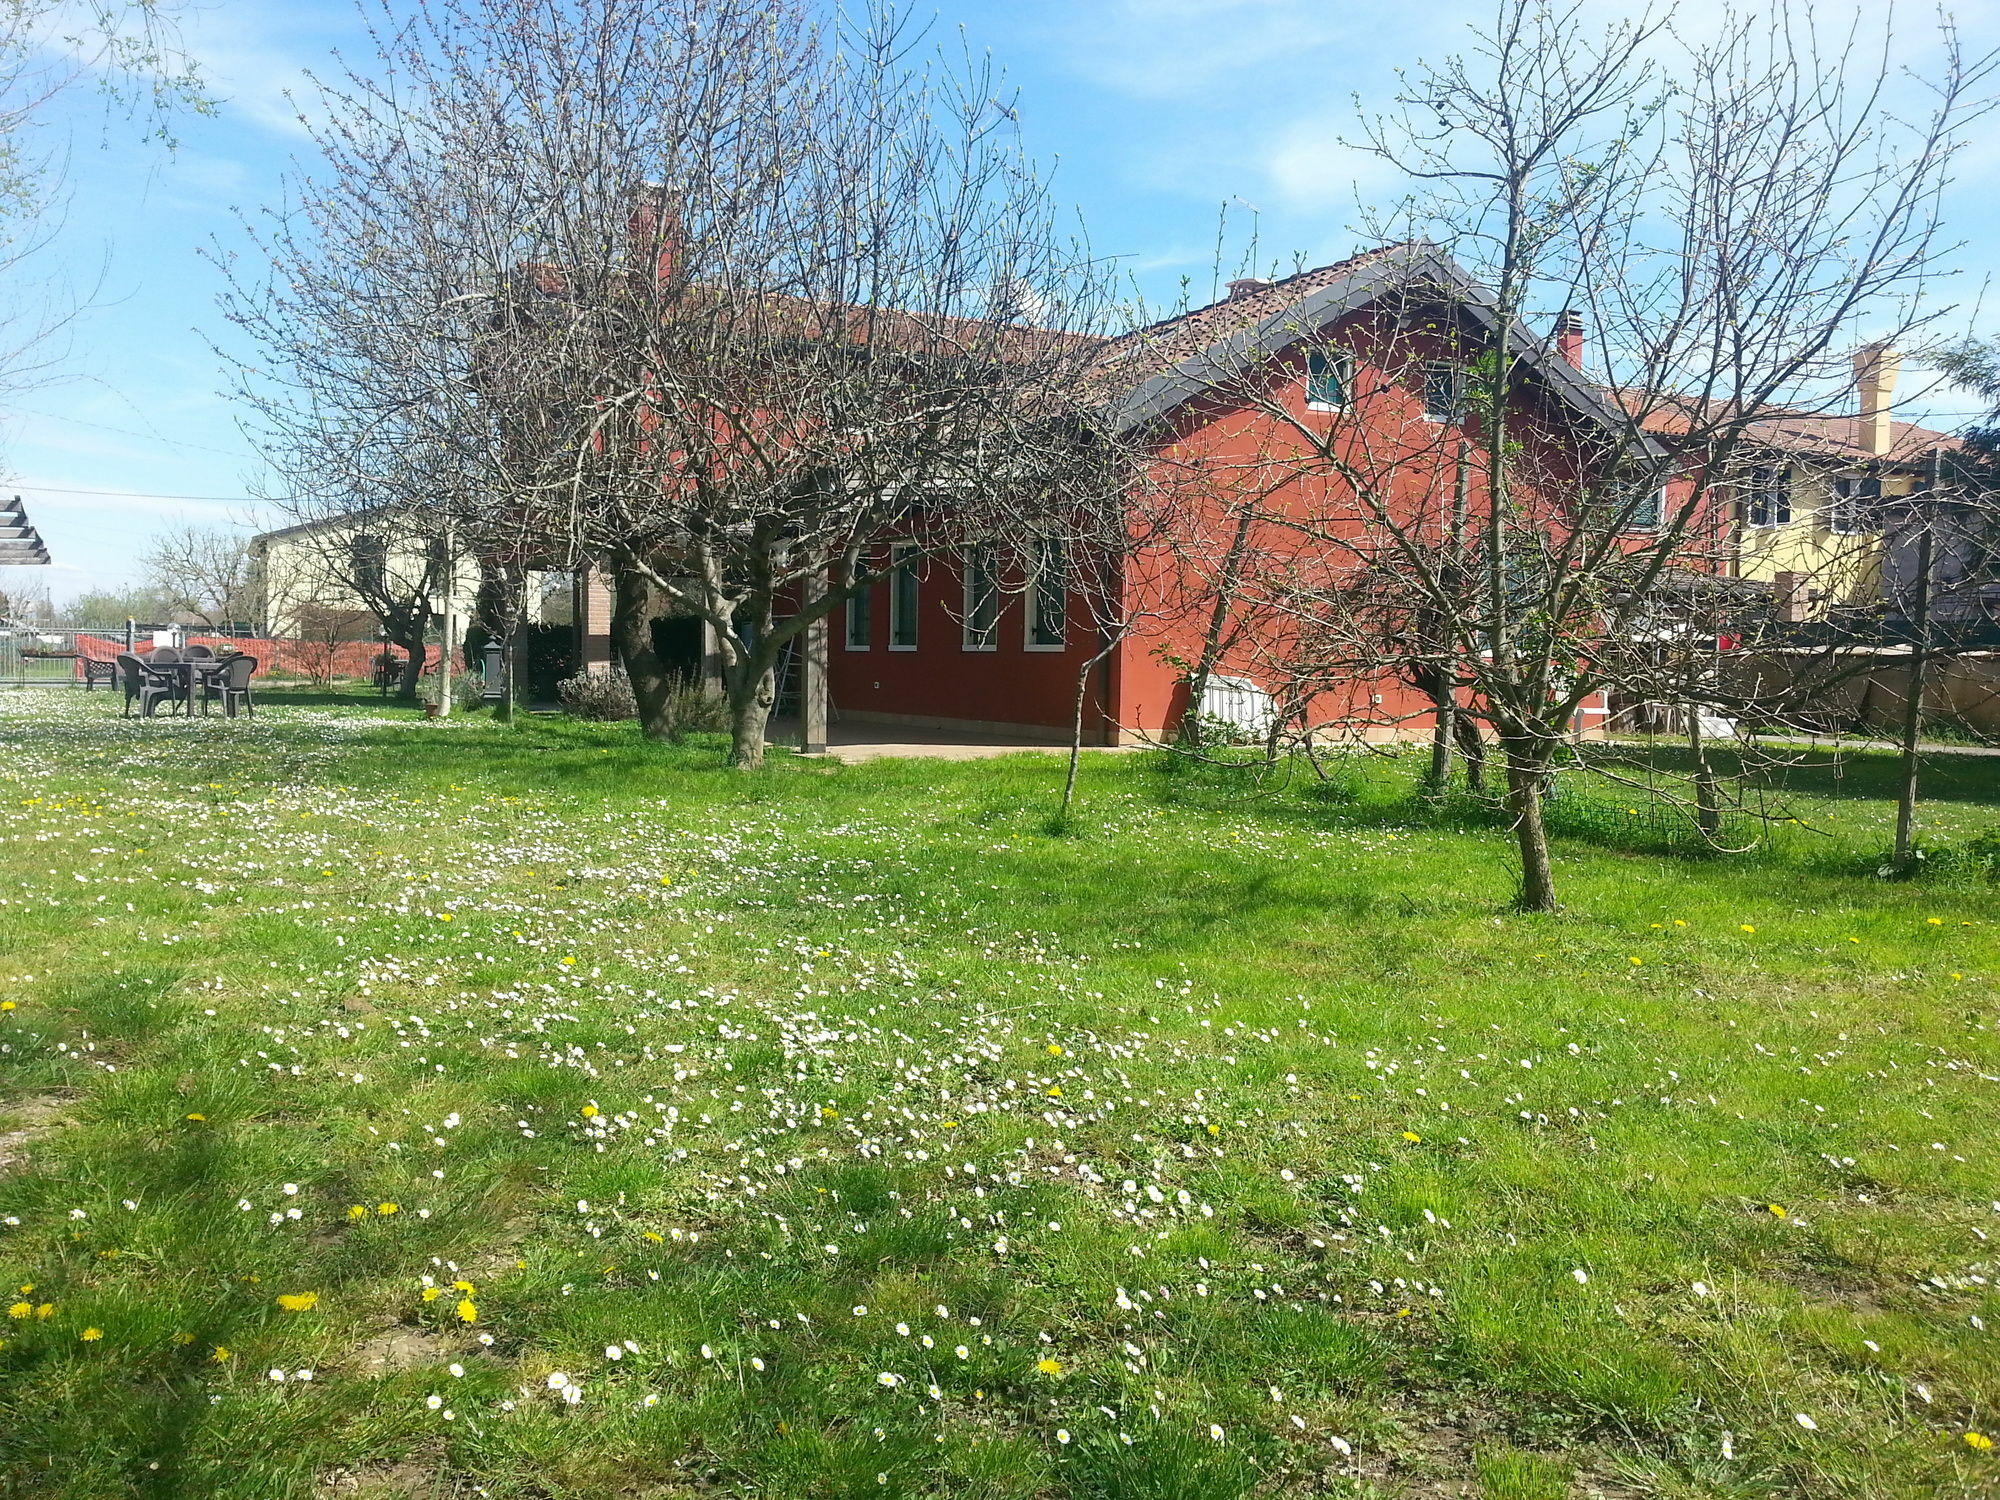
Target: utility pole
1925,512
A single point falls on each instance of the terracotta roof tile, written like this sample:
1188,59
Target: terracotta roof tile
1137,356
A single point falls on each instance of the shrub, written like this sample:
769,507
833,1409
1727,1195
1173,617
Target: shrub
602,696
700,710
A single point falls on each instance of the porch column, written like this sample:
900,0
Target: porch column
812,673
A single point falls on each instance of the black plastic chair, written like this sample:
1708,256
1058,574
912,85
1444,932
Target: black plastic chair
231,683
161,656
149,686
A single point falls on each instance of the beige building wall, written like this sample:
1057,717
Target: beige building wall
302,572
1844,567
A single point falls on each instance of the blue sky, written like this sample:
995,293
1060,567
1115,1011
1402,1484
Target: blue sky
1157,113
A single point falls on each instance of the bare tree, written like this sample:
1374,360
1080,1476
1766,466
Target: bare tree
721,300
1721,217
203,571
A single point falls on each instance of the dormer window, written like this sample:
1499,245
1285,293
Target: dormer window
1328,379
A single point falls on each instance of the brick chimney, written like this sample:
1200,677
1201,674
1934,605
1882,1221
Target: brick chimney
1875,370
1249,286
1569,337
651,227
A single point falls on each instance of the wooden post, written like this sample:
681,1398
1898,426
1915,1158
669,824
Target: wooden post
1925,511
812,673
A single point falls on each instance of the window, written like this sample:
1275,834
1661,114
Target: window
1647,510
982,600
1856,502
902,599
1048,598
861,616
1442,401
1767,498
1327,378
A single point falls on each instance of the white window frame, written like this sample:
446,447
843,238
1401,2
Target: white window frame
1032,597
1773,496
1343,364
979,564
902,562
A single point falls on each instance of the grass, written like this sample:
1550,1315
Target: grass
838,1131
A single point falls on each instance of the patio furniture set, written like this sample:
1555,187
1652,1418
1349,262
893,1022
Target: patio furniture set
179,676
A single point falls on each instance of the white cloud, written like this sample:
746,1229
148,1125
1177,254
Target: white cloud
1313,171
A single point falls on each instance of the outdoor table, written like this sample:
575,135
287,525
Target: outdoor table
191,674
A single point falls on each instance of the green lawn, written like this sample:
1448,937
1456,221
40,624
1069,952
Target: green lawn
453,1110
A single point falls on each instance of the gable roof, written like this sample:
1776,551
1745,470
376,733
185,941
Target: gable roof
1188,355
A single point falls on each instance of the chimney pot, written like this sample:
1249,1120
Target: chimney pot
1569,337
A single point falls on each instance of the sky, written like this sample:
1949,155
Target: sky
1157,116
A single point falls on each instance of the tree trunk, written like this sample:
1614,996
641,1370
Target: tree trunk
753,690
1471,750
632,612
417,653
1527,776
1707,790
1905,857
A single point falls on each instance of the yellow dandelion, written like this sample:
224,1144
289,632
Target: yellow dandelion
46,1310
223,1354
357,1211
6,1004
658,1239
298,1301
1055,1050
1979,1441
1049,1367
385,1209
430,1294
91,1335
1776,1209
467,1310
1744,927
199,1119
590,1111
20,1310
1411,1135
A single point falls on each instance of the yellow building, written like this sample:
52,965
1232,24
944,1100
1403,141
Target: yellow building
1811,508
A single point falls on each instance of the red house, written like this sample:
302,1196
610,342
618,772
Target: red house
1226,397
